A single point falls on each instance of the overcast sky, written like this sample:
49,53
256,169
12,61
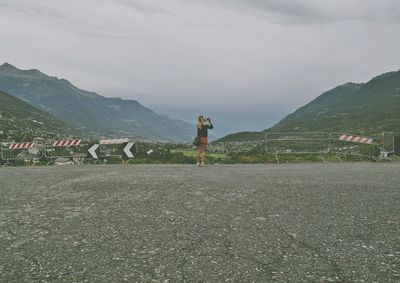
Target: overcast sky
246,63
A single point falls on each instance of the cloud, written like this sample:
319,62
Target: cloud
33,8
257,58
143,7
51,7
316,11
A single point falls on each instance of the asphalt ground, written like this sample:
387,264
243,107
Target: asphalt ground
220,223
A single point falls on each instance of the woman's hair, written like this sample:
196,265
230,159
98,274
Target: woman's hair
200,122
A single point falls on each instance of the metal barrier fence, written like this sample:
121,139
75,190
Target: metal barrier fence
390,147
338,145
65,152
346,145
297,143
12,153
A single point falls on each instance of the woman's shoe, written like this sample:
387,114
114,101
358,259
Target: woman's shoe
198,163
202,164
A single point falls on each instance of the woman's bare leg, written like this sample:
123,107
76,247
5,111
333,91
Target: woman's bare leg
198,153
203,157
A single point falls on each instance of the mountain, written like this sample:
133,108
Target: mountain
365,108
89,111
20,121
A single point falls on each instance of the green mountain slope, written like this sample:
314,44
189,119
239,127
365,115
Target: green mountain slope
367,108
89,111
22,122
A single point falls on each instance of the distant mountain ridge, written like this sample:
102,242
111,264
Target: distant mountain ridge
364,108
89,111
20,121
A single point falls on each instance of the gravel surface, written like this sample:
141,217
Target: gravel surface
182,223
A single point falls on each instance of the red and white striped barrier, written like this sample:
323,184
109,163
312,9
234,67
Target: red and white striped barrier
114,141
358,139
66,143
21,145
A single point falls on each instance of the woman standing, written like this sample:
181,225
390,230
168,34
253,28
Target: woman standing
202,134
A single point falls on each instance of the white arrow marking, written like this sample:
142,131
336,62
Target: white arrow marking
127,149
92,151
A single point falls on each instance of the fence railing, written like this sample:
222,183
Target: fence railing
334,144
20,152
67,152
297,143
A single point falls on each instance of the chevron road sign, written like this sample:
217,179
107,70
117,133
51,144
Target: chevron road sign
128,149
106,148
92,151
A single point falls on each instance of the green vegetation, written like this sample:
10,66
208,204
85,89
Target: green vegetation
243,137
20,121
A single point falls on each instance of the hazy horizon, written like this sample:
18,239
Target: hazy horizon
247,64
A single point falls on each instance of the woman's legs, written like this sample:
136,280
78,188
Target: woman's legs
201,151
